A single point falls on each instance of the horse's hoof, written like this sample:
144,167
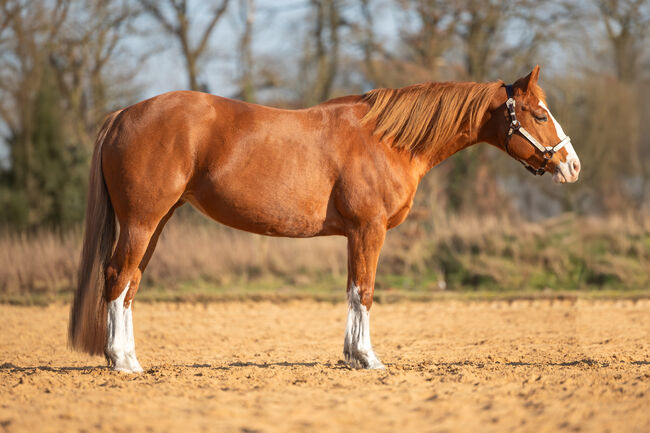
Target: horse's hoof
128,364
356,365
125,370
376,365
128,369
361,362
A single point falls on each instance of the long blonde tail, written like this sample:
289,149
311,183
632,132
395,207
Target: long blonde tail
87,326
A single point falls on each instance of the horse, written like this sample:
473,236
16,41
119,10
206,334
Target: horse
348,167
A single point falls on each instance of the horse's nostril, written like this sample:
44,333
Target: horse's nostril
575,166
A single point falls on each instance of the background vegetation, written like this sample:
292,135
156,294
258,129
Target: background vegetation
480,221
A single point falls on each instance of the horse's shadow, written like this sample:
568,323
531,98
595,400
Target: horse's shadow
586,361
231,366
7,366
269,364
340,365
244,364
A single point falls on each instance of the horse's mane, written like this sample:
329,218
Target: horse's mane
422,117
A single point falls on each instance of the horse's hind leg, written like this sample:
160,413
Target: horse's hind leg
120,350
121,274
153,241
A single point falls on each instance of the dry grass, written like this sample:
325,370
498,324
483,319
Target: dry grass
214,253
458,253
44,262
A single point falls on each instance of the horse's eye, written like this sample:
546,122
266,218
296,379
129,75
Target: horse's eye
541,118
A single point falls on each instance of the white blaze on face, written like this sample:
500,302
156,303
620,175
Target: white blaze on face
357,348
569,169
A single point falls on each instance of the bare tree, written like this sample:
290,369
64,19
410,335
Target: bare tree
434,36
81,57
626,22
29,28
246,80
53,92
368,42
426,34
178,25
480,28
326,44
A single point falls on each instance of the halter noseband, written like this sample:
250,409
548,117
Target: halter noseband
547,152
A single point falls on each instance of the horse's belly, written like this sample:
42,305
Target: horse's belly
274,180
268,211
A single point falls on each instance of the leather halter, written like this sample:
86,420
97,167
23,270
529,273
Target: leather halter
515,126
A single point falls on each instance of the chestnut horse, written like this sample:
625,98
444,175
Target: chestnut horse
348,167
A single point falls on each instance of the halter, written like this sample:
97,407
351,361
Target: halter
547,152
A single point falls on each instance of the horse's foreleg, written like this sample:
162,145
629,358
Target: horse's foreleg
364,246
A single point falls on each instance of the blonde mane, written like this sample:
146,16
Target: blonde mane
423,117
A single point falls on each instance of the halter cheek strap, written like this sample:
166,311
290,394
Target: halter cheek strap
515,126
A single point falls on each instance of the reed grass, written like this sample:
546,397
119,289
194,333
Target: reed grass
458,254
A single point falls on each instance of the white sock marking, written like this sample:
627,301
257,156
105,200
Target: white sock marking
120,344
130,341
357,348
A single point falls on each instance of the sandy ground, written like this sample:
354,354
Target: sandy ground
526,366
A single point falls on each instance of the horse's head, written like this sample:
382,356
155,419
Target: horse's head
531,134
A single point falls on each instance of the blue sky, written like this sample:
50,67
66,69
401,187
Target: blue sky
278,32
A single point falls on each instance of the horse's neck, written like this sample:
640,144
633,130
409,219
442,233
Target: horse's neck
459,142
428,155
485,133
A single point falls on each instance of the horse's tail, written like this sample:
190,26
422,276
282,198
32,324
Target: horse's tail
87,326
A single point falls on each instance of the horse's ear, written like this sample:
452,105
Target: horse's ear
529,81
533,76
